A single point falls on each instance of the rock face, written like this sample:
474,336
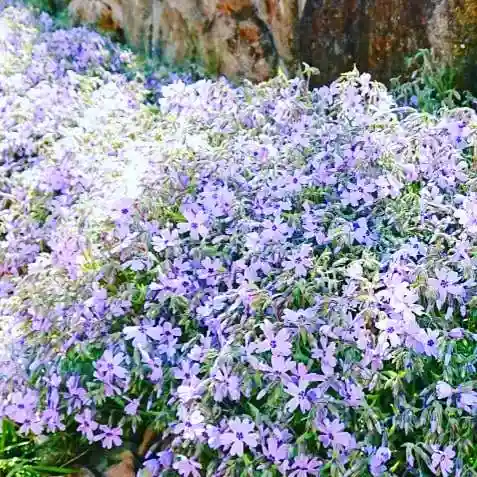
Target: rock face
251,38
237,38
377,35
374,34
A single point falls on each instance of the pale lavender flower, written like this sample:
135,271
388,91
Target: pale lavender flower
304,466
276,450
87,425
196,224
446,283
299,396
191,424
239,434
378,460
274,231
333,435
467,400
442,460
186,371
277,343
31,424
443,390
132,407
109,436
210,271
390,331
225,385
140,334
187,467
108,367
300,261
166,239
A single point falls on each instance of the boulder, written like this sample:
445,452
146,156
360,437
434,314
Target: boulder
237,38
252,38
377,35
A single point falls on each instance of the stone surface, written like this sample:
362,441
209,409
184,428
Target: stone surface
375,35
125,468
236,38
251,38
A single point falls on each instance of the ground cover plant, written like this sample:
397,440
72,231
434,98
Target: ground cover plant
271,280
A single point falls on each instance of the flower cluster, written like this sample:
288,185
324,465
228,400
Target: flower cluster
278,281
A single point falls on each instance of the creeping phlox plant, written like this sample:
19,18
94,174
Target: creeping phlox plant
278,281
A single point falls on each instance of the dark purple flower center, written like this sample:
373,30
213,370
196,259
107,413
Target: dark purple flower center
390,329
302,395
195,225
124,211
110,366
240,436
273,344
274,228
431,343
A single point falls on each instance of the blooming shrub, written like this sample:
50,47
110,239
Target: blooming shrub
278,281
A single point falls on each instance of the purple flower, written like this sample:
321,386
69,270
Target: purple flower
23,406
186,371
274,231
443,390
239,434
390,330
87,425
326,355
195,225
191,424
166,239
467,400
442,460
280,366
210,271
132,408
334,436
52,419
275,450
31,424
429,341
299,396
446,284
140,333
225,385
303,466
300,261
277,343
357,192
378,460
108,367
187,467
109,436
76,395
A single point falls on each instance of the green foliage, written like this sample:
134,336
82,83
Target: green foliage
429,84
21,456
